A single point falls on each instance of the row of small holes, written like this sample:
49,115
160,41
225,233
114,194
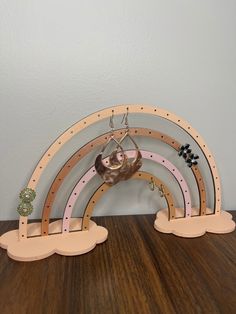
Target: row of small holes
121,133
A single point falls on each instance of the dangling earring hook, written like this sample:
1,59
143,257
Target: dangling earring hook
125,119
111,124
152,185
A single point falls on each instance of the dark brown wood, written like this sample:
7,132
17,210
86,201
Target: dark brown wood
137,270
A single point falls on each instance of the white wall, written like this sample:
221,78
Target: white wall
62,60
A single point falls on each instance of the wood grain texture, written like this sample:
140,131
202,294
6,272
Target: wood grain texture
138,270
118,110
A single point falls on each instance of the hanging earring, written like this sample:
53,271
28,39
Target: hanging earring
110,172
161,191
132,166
152,185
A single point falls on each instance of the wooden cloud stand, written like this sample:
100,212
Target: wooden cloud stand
74,236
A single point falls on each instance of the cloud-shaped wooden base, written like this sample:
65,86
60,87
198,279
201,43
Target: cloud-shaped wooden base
194,226
36,248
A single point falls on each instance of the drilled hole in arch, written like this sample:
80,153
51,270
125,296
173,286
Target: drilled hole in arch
22,223
34,180
167,114
181,180
135,131
93,170
93,202
85,122
140,175
185,191
151,156
45,220
49,155
40,167
75,193
112,110
71,132
59,143
66,217
65,229
163,160
98,115
178,120
162,136
69,205
87,215
155,110
141,108
102,190
173,170
83,181
150,132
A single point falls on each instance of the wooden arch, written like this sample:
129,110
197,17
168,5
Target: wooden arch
100,140
117,110
85,179
140,175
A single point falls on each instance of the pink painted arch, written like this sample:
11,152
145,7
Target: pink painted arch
130,153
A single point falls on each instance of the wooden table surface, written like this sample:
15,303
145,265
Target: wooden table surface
137,270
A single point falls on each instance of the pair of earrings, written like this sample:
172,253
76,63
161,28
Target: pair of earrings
119,166
161,190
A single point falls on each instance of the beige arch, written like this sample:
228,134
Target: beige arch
117,110
140,175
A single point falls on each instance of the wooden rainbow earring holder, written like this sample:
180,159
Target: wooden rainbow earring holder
74,236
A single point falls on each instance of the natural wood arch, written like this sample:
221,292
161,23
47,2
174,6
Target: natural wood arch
117,110
140,175
83,151
90,173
